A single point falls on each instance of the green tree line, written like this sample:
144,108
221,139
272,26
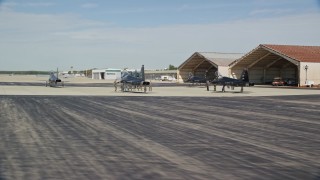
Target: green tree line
25,72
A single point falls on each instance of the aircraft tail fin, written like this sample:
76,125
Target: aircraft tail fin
245,75
57,73
142,73
218,74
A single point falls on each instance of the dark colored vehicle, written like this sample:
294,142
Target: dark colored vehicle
290,82
277,81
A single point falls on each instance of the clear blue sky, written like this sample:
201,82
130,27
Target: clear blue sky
43,35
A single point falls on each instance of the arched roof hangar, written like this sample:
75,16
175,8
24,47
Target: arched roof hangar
205,64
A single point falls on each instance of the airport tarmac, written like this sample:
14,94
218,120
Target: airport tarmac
35,85
197,91
173,132
94,137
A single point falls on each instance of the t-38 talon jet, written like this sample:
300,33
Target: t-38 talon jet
54,81
196,79
130,82
231,82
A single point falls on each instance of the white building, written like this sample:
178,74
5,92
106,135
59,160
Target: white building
108,73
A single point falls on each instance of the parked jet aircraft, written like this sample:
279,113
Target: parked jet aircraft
54,81
195,79
226,81
129,81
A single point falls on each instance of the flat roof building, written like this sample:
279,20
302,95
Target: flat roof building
108,73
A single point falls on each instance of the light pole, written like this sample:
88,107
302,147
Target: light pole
306,68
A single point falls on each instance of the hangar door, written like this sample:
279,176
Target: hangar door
96,75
